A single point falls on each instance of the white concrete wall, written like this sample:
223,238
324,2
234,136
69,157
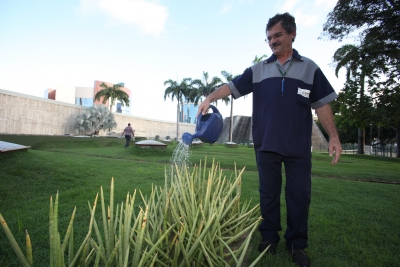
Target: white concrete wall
25,114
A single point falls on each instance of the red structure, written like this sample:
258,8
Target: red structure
51,94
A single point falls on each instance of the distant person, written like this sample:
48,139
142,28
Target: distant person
285,88
129,132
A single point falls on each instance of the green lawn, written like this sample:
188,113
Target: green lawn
354,214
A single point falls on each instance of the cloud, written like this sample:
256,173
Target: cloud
148,16
327,4
306,12
289,5
226,7
305,19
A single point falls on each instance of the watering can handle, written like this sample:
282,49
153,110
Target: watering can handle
214,109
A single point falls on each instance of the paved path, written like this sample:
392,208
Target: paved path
6,147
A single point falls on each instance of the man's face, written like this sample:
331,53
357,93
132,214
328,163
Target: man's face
280,41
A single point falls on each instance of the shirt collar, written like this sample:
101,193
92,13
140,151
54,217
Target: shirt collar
296,55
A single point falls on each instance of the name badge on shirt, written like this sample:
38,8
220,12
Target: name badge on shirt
304,92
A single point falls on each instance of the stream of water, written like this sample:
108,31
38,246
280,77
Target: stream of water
181,155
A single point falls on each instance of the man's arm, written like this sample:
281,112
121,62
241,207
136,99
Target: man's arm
221,92
326,118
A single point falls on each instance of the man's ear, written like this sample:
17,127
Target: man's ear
294,33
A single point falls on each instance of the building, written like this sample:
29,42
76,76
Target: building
84,96
63,93
188,113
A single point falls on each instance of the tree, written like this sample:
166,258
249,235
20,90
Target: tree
355,110
179,91
346,56
94,119
365,15
113,93
347,133
356,62
387,103
229,77
204,87
376,23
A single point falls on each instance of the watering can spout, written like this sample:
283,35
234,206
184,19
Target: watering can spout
208,128
187,138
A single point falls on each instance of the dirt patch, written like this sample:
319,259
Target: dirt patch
236,245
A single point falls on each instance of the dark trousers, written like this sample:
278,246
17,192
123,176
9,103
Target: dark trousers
297,194
128,139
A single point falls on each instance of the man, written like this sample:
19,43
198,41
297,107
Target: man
129,131
285,87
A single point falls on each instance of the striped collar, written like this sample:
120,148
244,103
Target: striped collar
272,58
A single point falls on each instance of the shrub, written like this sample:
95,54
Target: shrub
94,119
197,219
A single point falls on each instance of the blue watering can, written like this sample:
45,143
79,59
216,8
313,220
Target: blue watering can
208,128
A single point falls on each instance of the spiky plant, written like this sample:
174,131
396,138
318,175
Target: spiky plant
196,219
94,119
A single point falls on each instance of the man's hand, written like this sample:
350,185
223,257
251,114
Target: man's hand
335,150
221,92
326,118
203,107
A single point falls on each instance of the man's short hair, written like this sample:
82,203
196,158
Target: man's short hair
287,21
129,124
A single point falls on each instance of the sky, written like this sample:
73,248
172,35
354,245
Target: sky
142,43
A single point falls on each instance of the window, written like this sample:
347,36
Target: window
119,108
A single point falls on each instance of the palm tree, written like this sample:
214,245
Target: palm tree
229,77
113,93
357,63
347,56
204,87
258,59
180,92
